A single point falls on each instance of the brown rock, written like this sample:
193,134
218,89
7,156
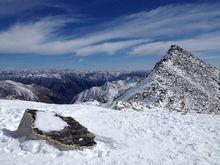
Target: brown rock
73,136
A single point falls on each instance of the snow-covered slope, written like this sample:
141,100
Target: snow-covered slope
107,92
14,90
150,137
181,81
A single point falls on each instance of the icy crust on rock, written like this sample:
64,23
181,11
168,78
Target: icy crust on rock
48,121
181,81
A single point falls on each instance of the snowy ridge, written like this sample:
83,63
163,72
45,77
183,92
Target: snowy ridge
14,90
18,90
153,136
179,80
107,92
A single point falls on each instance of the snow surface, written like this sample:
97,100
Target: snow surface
123,137
47,122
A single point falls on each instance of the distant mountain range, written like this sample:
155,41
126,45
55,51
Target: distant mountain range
55,86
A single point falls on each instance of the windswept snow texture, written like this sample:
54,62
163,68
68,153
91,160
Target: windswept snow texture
47,122
149,137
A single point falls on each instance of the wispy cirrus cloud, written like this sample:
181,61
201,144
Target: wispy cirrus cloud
31,36
201,44
167,21
108,47
194,26
41,38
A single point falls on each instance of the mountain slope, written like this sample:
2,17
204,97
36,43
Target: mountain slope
14,90
67,83
151,137
181,81
107,92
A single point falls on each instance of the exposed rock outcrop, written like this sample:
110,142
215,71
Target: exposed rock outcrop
72,136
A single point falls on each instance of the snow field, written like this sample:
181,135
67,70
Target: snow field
123,137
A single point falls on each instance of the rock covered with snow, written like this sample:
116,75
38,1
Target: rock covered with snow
135,105
63,132
180,81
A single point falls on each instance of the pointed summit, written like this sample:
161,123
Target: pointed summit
179,56
180,81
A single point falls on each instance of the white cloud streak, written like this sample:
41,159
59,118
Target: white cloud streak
108,47
146,33
201,45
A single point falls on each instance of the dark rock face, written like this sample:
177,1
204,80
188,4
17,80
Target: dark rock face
73,136
182,82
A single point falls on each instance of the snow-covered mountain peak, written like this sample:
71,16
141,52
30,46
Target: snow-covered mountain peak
181,81
179,57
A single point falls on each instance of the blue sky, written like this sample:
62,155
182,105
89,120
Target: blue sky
105,34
